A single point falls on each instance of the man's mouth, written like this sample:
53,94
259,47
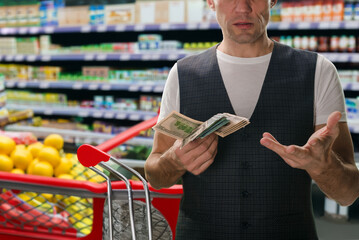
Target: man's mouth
243,25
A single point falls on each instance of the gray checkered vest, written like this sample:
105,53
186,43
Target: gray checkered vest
249,192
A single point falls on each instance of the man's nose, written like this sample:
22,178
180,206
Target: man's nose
243,6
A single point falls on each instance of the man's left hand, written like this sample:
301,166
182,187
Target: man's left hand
315,155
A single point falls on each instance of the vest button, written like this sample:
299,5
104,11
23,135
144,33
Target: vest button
245,225
245,194
245,165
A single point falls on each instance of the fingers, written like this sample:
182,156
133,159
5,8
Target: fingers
333,120
198,155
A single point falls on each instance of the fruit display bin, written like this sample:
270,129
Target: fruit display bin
37,207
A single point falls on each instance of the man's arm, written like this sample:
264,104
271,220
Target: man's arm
328,158
168,161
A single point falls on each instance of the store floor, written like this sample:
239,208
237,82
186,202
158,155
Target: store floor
329,229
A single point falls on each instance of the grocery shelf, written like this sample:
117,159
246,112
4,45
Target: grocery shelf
351,86
170,26
85,112
42,132
148,86
146,56
353,125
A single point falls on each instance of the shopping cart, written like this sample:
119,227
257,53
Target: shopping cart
27,213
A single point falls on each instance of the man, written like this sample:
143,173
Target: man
256,182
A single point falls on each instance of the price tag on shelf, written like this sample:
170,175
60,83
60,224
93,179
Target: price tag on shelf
106,87
89,57
120,28
355,58
31,58
97,114
44,85
147,88
343,57
191,26
158,89
204,25
19,58
165,26
172,57
48,111
335,25
49,29
133,88
10,84
156,57
101,28
284,25
354,86
121,116
93,86
83,114
21,85
23,30
34,30
101,57
324,25
109,115
46,58
351,24
134,117
303,25
77,86
125,56
139,27
146,56
9,58
85,29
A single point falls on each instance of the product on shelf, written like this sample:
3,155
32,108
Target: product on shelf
334,43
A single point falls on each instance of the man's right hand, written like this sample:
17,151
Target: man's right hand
197,155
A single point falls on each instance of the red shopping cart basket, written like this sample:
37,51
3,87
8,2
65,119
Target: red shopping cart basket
28,209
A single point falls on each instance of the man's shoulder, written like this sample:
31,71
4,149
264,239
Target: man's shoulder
197,56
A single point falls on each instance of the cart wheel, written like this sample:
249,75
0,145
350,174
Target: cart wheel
121,222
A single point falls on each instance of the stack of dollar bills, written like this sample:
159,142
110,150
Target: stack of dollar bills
181,127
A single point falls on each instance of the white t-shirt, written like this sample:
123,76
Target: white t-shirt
244,92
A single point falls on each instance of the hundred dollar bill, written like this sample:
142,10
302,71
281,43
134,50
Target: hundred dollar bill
181,127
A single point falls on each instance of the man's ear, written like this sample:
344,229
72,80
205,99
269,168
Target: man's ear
273,3
211,4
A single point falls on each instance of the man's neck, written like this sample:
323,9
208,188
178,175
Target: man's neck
246,50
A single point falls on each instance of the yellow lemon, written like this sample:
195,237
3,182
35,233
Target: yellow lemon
7,145
31,166
6,163
43,168
64,166
65,176
35,148
49,154
21,158
54,140
20,146
18,171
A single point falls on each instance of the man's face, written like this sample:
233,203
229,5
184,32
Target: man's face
242,21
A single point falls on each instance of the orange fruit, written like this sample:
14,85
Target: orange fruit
35,148
18,171
64,166
49,154
7,145
6,163
54,140
21,158
43,168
